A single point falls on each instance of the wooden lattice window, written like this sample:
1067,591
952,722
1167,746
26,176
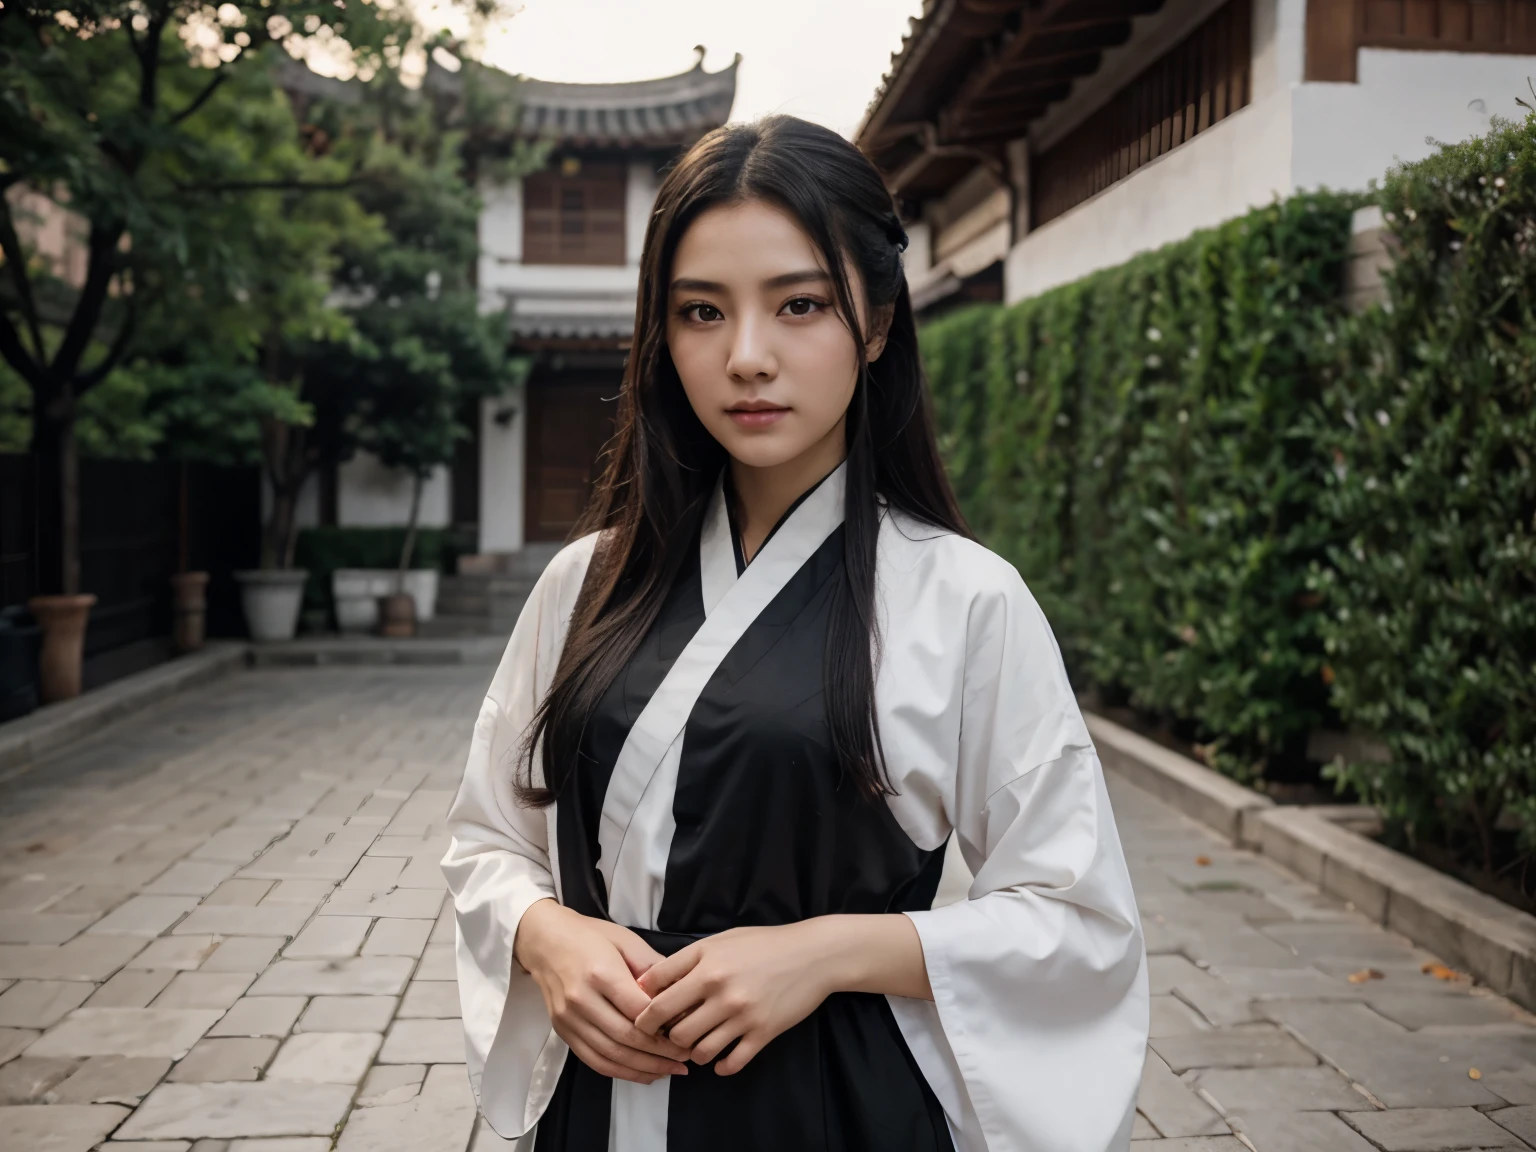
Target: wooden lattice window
1200,81
1338,29
577,218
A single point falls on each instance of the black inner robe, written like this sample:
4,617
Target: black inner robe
768,832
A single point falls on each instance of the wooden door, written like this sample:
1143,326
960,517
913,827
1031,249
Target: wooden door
570,418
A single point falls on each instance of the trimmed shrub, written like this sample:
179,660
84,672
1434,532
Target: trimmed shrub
1149,462
1431,589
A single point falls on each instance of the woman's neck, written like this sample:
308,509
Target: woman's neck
763,495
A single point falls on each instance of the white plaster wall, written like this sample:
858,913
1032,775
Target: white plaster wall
1279,45
1242,162
307,514
918,257
501,226
501,475
639,195
1349,134
369,495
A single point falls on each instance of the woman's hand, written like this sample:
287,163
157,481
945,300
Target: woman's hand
751,984
586,969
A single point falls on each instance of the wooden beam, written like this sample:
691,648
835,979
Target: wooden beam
1333,39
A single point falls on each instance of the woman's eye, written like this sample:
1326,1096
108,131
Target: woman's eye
689,310
796,303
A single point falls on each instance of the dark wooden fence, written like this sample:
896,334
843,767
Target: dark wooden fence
132,520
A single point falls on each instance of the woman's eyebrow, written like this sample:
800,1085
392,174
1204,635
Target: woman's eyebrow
784,280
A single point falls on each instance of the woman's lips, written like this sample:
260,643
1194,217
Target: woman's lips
761,418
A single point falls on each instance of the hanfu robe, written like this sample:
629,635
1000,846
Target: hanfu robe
708,796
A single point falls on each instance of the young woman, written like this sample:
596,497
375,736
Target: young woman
706,806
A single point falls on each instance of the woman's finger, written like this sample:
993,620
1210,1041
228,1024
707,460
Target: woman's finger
621,1030
749,1047
668,1005
632,1058
638,955
716,1041
697,1023
669,971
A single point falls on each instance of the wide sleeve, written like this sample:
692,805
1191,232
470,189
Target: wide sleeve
498,863
1039,976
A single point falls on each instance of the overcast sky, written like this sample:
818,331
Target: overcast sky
818,59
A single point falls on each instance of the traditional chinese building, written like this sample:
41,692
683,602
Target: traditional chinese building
1034,141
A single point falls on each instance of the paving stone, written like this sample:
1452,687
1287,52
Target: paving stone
1193,1144
403,903
144,916
224,1060
391,1084
204,990
267,920
92,900
182,953
1521,1121
438,999
15,1041
1166,1101
25,1080
347,1014
112,1080
1316,1089
375,873
440,1118
1237,1048
40,1003
1432,1130
131,988
1141,1129
425,871
264,1108
239,845
191,878
359,976
146,1146
83,958
127,1032
423,1042
243,954
260,1016
282,1144
1171,1017
59,1127
326,1057
238,893
306,892
397,938
41,927
327,936
437,963
1430,1008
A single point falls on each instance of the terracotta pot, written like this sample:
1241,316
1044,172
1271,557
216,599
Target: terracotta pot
190,610
63,620
397,614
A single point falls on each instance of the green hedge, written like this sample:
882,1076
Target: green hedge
1141,444
1251,515
1431,588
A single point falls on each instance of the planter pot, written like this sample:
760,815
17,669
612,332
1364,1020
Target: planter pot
189,599
271,598
397,615
63,620
421,583
356,592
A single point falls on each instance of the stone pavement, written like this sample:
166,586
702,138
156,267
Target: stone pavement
223,929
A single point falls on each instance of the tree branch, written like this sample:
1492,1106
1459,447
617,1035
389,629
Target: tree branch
88,380
16,355
10,246
201,99
98,277
272,186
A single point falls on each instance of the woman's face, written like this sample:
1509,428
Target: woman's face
766,362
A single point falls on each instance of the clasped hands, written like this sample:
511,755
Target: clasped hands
631,1014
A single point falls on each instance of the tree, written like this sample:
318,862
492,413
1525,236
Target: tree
101,99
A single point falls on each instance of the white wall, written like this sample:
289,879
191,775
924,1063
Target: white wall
1279,45
1349,134
369,495
1242,162
501,475
639,195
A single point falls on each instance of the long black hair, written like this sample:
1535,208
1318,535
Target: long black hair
662,464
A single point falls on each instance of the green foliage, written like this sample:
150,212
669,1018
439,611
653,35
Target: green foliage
1431,590
323,550
1140,444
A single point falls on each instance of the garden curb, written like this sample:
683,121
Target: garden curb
1466,928
374,651
50,728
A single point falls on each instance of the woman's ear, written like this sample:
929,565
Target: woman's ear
879,329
